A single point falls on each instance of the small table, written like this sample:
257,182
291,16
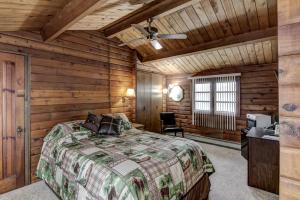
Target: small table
138,126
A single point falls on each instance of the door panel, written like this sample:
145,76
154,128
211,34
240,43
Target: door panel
149,100
12,120
140,97
156,102
143,99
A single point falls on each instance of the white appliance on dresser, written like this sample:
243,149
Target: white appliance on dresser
258,120
253,120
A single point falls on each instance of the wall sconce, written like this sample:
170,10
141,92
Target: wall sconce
130,93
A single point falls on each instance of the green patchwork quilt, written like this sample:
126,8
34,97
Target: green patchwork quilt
138,165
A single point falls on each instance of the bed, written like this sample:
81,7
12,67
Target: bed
139,165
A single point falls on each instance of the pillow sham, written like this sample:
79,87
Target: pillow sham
125,121
110,125
92,122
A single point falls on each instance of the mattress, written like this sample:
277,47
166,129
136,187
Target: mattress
138,165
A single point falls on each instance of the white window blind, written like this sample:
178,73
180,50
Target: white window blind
216,101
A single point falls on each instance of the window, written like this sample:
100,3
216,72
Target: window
225,97
216,101
203,96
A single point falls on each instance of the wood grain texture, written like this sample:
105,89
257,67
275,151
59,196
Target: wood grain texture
12,117
288,12
106,13
289,54
150,10
248,53
259,94
232,40
289,189
66,85
17,15
71,13
263,164
149,99
206,21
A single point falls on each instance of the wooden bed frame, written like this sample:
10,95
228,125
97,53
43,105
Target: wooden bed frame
199,191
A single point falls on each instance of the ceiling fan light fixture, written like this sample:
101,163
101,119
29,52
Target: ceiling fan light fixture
156,44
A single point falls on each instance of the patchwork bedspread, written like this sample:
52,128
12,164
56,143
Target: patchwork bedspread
137,165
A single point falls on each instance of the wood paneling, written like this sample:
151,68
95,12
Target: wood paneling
289,54
204,21
19,15
249,53
72,12
31,15
75,74
255,36
259,94
108,12
150,10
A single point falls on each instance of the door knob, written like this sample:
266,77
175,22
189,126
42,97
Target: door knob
19,130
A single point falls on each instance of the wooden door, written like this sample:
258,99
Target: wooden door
143,99
156,101
11,122
149,100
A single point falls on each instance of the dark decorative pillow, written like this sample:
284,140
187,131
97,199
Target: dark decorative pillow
110,125
125,121
92,122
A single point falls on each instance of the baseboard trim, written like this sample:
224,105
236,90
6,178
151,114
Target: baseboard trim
213,141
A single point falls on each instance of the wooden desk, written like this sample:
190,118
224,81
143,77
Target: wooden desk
263,161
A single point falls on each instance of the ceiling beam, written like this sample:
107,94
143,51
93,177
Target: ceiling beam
150,10
231,40
71,13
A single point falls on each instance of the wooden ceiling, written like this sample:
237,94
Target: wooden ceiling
249,53
107,13
207,20
209,24
30,15
18,15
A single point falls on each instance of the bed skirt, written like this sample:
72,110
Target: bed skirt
199,191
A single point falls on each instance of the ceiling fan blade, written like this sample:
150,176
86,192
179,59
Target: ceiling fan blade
172,36
137,2
141,29
156,44
129,42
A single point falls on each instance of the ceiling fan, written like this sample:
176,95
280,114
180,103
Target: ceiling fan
151,33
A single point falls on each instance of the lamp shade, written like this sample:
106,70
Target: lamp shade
130,92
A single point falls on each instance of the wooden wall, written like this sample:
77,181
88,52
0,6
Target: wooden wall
80,72
259,94
289,101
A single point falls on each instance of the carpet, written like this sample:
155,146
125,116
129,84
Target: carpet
229,182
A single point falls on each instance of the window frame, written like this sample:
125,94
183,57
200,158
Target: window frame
211,98
213,93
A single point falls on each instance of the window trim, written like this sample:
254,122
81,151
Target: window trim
213,80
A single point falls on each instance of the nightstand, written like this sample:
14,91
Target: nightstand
138,126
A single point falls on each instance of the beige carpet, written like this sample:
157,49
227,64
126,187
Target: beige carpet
228,183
